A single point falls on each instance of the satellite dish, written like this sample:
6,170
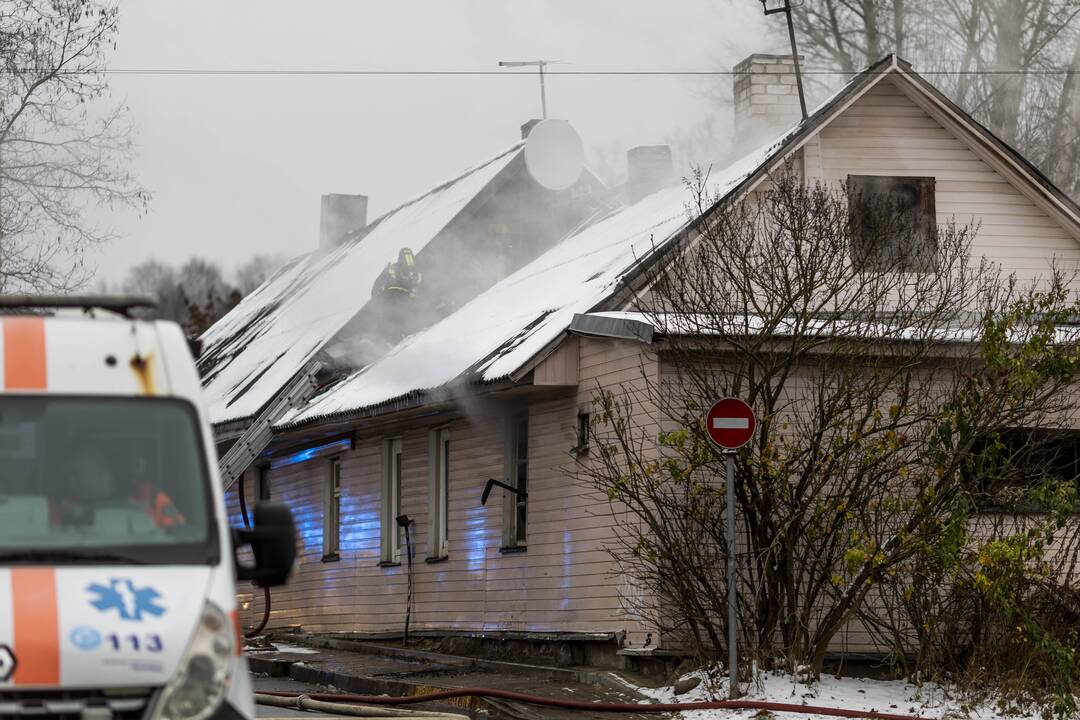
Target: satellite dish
554,154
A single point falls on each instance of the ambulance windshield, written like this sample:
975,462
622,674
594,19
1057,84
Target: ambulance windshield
103,479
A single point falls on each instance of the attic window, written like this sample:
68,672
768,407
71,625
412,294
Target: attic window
893,222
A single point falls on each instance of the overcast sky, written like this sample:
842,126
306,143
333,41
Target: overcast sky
236,164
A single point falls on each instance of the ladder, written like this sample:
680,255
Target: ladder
258,435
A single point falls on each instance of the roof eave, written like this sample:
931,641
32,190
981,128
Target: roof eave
436,399
1059,203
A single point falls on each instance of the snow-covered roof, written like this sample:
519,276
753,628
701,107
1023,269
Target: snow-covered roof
499,332
252,352
501,329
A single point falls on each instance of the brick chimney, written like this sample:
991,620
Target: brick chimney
648,169
339,216
766,98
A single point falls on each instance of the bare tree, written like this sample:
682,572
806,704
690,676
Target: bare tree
255,272
1001,60
890,371
63,148
195,295
158,280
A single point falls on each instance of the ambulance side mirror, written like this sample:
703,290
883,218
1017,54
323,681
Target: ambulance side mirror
273,543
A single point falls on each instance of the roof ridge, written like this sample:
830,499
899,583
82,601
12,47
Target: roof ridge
361,232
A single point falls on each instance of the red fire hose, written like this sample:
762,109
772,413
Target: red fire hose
602,707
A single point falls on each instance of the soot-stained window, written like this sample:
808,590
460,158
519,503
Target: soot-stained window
893,222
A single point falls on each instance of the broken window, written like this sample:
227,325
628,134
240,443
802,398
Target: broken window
517,503
893,222
332,514
391,503
438,493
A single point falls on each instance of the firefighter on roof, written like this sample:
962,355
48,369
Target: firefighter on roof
400,278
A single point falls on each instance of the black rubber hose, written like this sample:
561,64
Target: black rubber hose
254,632
409,599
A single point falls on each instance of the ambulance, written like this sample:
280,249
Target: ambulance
118,567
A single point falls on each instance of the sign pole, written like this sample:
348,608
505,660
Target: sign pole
732,601
730,424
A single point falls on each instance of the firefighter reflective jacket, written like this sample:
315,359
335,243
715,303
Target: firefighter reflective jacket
400,277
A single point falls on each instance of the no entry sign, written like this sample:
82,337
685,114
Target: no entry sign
730,423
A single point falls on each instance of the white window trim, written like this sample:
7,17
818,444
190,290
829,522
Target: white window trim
438,494
390,551
332,510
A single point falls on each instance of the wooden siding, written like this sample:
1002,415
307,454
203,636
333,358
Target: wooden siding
885,133
560,367
564,581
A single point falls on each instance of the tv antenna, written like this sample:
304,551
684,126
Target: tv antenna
539,65
786,9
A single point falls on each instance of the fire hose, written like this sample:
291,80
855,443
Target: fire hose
254,632
304,702
594,707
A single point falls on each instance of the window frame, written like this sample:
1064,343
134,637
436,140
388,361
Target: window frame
332,511
515,507
438,494
920,256
390,505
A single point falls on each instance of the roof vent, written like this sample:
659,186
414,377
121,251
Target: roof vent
648,169
341,215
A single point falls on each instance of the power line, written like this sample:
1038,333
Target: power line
315,72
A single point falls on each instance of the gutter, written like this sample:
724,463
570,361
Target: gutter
413,400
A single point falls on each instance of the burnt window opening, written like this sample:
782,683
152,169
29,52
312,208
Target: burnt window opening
893,223
584,422
1007,472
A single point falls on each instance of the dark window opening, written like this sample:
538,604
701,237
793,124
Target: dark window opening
583,425
1007,472
443,481
264,483
893,223
521,478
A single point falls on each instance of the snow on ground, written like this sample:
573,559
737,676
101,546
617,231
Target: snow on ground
897,697
295,649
